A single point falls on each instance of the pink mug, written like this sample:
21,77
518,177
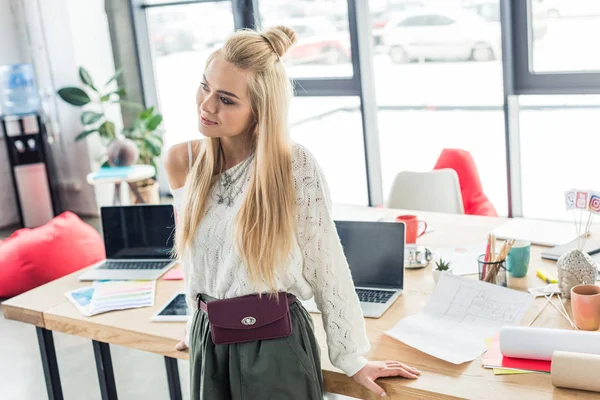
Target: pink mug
585,304
413,230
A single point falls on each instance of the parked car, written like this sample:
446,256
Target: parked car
382,17
442,35
318,42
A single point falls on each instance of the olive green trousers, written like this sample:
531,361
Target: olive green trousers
284,368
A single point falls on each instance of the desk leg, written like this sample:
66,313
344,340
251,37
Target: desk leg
49,363
106,376
173,378
117,194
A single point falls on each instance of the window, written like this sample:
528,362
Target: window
323,39
331,129
565,35
180,47
559,145
421,20
441,87
440,20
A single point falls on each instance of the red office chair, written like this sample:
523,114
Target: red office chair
474,200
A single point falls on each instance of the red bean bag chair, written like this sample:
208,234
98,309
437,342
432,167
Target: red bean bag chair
474,200
31,257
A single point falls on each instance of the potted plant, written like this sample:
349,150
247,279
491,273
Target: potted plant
440,266
95,99
140,143
147,136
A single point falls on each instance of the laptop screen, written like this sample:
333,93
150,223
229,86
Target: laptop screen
138,232
375,252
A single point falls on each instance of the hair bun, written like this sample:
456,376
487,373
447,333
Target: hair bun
281,38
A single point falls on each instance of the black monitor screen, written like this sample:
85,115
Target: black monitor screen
138,232
375,252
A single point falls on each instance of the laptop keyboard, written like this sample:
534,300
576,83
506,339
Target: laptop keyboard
374,296
134,265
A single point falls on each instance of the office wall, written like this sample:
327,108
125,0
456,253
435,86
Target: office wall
10,53
10,50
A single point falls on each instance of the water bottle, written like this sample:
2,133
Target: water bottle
18,92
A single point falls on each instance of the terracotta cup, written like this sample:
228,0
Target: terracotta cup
585,304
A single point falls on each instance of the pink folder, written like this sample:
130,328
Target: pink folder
494,358
174,274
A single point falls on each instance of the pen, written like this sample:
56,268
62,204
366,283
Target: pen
544,277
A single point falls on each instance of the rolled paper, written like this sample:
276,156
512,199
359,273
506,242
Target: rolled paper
576,371
541,343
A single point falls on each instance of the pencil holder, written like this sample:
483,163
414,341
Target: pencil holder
492,272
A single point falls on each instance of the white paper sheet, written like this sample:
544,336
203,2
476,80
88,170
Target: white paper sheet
461,313
540,343
463,259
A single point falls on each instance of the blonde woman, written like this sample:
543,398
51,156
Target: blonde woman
255,232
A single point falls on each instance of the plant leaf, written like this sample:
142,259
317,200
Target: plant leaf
115,76
147,113
84,134
74,96
157,137
107,130
154,122
154,146
85,77
120,92
90,117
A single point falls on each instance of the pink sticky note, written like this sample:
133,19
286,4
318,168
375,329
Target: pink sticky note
174,274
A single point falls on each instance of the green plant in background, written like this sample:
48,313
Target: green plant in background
146,136
144,131
442,265
95,100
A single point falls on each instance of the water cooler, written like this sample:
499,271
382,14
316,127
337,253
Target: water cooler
30,167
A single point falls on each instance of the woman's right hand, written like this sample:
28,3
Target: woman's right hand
182,346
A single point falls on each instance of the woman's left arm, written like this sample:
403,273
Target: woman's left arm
326,269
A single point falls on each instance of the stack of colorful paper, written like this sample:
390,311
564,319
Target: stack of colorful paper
503,365
113,295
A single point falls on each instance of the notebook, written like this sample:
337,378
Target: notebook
540,232
591,247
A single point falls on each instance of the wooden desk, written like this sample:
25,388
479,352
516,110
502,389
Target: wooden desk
48,309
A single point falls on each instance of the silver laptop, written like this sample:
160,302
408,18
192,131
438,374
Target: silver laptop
375,254
138,241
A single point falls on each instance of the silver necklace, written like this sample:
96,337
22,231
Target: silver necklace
228,182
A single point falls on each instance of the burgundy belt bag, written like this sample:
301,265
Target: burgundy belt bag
249,318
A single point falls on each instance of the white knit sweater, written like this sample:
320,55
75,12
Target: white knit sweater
316,264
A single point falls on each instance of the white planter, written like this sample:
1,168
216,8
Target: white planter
436,274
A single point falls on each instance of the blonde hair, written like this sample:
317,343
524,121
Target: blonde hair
265,223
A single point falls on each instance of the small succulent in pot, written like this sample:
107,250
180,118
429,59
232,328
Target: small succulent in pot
441,266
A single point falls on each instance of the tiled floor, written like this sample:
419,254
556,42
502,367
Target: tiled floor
138,374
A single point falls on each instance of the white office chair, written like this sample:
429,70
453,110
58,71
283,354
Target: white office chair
435,191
